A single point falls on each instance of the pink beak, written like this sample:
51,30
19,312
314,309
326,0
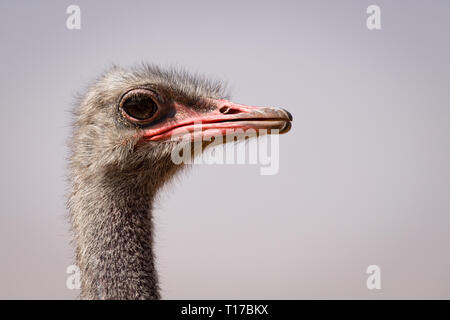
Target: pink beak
225,118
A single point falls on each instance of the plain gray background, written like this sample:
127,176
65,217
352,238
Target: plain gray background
364,174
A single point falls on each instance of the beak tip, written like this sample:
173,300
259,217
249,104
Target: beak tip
286,128
288,114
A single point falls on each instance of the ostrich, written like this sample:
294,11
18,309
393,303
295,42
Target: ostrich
121,156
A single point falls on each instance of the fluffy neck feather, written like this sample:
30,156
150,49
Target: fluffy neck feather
112,222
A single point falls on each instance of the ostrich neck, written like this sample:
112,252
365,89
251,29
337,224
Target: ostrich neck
112,222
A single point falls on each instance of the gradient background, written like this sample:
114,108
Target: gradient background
364,174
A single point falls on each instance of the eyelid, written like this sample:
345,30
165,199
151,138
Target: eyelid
152,92
147,87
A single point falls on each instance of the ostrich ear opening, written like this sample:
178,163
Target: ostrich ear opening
225,118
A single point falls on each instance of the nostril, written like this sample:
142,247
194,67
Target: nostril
229,110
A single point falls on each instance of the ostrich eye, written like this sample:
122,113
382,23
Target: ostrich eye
138,105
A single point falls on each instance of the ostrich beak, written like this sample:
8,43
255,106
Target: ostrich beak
227,117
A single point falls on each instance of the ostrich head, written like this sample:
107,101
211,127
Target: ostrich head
121,155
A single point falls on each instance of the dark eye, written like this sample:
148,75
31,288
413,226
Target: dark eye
138,105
